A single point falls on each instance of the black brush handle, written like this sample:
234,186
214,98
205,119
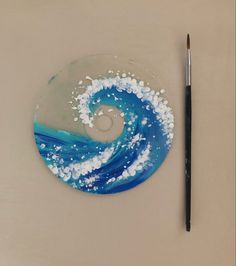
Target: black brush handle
188,133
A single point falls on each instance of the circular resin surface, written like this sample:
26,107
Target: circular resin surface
102,125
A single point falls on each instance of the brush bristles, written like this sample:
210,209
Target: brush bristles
188,42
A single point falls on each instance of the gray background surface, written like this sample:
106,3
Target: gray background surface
44,222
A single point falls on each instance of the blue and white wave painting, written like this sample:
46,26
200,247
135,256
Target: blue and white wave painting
114,166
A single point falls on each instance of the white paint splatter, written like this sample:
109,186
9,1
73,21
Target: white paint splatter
156,102
42,146
75,170
137,165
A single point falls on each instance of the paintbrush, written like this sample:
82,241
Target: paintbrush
188,131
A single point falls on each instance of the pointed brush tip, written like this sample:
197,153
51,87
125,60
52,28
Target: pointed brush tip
188,41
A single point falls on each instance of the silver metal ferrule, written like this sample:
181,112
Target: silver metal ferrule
188,68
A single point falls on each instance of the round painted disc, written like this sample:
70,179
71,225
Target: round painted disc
102,126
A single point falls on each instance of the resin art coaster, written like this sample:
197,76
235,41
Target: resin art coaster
102,125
